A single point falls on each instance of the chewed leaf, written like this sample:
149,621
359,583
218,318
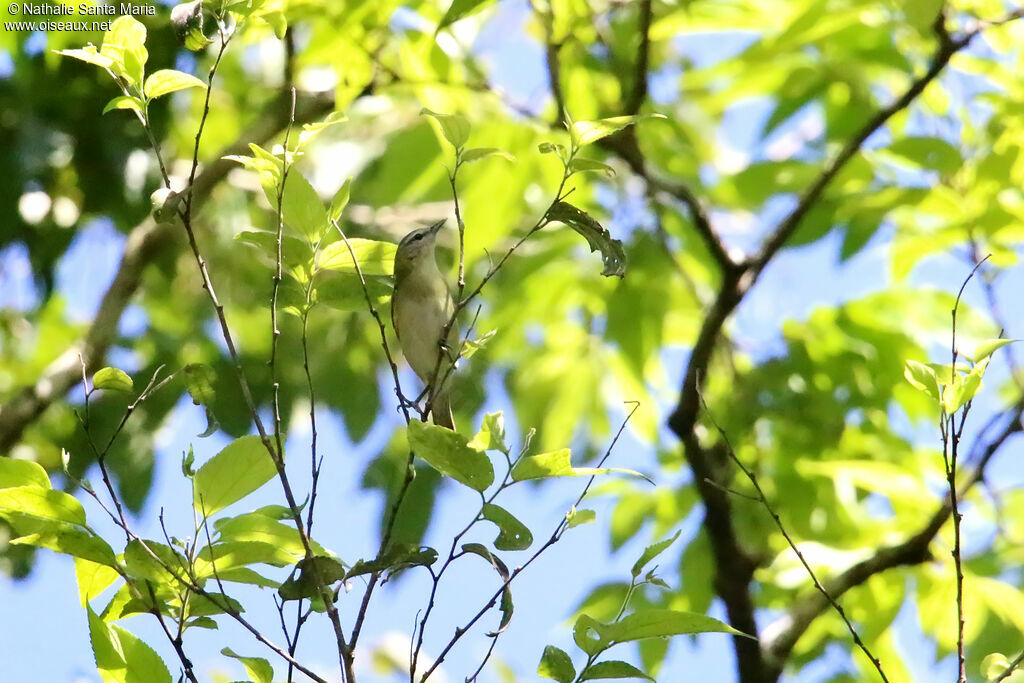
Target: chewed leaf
514,535
597,237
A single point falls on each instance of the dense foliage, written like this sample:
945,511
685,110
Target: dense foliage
711,139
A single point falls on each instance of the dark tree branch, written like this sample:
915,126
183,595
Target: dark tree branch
733,567
639,92
143,244
780,636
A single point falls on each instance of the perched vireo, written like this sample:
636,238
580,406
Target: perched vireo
421,306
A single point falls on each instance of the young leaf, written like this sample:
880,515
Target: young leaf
477,153
612,668
987,348
125,102
301,206
312,572
39,503
90,55
375,258
558,464
449,453
506,606
397,557
922,377
556,665
259,669
72,540
125,44
581,165
491,436
340,201
586,132
112,379
459,9
650,552
577,518
93,579
166,81
235,472
660,623
514,534
454,127
15,472
187,20
597,237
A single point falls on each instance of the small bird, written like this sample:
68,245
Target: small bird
421,306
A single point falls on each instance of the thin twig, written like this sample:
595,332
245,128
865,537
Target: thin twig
792,544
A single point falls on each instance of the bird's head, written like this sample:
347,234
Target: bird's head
416,247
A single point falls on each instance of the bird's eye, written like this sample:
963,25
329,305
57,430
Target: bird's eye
417,237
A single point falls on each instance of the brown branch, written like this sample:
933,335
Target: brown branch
639,92
780,636
822,591
144,243
734,569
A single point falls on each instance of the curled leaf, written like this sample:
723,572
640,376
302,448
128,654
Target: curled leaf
597,237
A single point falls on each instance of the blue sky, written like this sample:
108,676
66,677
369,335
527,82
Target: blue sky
51,644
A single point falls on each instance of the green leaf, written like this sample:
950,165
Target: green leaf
141,563
121,657
311,130
17,472
577,518
660,623
400,556
187,20
964,388
612,668
125,102
93,578
259,669
477,153
212,604
593,637
375,258
235,472
491,436
40,503
112,379
994,665
166,81
928,152
650,552
226,555
586,132
454,127
301,206
314,572
125,44
72,540
558,464
448,452
340,201
987,348
922,377
514,534
506,606
556,665
459,9
597,237
581,165
89,54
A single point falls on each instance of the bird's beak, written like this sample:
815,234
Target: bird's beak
436,227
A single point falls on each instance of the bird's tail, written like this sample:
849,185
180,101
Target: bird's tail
441,411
